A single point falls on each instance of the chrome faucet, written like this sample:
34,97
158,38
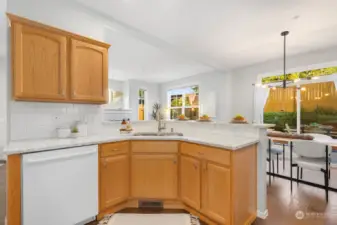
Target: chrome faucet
161,123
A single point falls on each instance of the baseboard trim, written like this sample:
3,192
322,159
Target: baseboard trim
262,215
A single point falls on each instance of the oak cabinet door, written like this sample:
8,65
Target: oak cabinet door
114,180
190,181
89,72
39,64
216,192
154,176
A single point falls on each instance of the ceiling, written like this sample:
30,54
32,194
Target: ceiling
172,39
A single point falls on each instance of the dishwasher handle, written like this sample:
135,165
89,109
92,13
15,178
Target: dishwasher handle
69,156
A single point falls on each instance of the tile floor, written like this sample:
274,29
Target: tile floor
282,204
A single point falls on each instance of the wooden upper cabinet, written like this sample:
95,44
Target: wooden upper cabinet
216,192
89,72
190,174
53,65
39,65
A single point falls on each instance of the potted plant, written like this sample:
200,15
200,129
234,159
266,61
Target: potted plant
74,132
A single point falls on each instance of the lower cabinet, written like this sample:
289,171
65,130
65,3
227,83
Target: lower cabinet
190,177
206,187
114,180
214,184
216,192
154,176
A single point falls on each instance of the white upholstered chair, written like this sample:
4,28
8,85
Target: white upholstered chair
312,155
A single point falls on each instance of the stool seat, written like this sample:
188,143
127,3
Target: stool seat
275,150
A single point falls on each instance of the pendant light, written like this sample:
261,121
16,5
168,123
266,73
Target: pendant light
284,35
285,80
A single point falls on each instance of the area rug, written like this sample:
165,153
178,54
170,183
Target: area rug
149,219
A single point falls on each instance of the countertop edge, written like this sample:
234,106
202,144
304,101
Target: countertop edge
78,143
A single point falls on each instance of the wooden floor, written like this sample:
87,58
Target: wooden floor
282,204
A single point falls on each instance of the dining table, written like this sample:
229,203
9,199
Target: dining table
288,142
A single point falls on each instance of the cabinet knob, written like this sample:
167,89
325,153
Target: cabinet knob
175,161
74,93
115,149
195,166
104,163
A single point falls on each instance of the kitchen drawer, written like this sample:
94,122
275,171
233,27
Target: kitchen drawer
192,149
216,155
114,148
154,146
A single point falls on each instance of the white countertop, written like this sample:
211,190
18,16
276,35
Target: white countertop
214,140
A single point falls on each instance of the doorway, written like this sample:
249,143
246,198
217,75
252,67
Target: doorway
141,104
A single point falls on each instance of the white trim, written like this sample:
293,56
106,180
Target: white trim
262,215
298,109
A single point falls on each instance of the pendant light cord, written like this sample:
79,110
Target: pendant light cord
284,34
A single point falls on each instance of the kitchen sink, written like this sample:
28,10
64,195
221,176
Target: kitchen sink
158,134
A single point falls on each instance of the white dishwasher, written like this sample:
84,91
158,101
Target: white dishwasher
60,187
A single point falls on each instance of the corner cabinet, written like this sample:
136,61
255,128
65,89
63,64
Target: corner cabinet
216,191
52,65
217,185
190,181
89,72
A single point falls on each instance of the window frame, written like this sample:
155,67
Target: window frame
183,106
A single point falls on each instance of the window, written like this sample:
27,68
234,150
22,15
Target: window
317,102
184,101
141,104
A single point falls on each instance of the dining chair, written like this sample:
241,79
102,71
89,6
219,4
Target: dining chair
318,137
312,155
275,151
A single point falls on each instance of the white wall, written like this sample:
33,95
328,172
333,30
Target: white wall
243,79
213,84
3,103
151,97
116,85
3,75
33,120
39,120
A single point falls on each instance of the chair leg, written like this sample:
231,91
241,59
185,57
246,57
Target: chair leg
277,162
284,165
298,173
291,178
329,174
326,178
273,165
301,173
